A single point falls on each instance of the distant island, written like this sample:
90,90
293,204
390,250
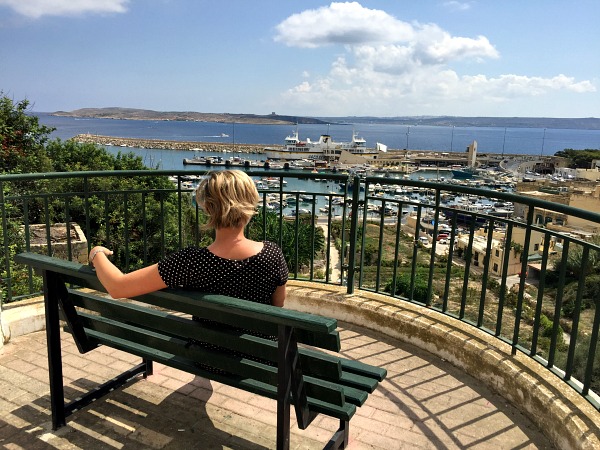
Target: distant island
187,116
585,123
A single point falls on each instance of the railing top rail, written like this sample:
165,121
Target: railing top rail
125,173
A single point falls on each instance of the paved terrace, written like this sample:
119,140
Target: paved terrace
424,403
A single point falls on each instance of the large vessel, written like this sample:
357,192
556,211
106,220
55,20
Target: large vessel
464,174
325,148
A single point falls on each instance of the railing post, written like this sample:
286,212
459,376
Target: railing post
353,233
88,226
6,245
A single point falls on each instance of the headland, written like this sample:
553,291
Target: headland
186,116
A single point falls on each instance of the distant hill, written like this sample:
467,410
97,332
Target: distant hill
586,123
190,116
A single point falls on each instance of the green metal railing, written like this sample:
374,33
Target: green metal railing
528,281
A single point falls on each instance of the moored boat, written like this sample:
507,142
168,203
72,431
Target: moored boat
324,149
464,174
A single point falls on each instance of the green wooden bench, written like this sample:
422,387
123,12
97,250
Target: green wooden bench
158,327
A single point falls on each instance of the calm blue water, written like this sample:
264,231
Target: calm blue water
516,141
533,141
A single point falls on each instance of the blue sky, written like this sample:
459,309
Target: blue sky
308,58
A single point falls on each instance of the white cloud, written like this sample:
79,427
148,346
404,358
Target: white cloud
456,5
37,8
351,91
341,23
376,32
393,67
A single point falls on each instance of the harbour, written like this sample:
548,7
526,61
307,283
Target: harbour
409,155
510,140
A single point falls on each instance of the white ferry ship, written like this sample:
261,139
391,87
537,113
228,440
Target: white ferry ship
325,148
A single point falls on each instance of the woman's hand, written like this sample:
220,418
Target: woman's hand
94,253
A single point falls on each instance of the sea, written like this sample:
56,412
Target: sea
530,141
508,141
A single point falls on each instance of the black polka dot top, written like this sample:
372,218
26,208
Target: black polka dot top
254,278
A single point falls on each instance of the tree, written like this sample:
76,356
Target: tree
306,237
580,159
401,286
149,204
22,139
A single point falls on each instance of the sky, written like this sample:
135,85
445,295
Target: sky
387,58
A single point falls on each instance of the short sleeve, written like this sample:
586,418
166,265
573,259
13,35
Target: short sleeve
175,268
281,268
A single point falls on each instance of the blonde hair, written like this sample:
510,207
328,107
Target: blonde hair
229,197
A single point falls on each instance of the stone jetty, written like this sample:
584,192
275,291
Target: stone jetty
169,145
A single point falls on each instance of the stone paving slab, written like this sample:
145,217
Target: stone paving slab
425,403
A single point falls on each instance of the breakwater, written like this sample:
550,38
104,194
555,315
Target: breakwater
169,145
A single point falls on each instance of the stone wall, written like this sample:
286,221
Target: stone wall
1,329
566,418
26,316
59,243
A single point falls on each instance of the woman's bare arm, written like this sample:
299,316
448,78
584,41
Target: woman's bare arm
120,285
278,297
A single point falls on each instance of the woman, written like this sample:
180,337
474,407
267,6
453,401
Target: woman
232,265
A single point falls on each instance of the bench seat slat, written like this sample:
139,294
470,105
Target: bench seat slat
355,373
102,328
313,362
355,396
366,370
342,411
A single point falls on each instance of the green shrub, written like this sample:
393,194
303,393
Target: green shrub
401,287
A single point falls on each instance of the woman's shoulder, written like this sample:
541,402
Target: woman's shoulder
272,250
189,252
268,245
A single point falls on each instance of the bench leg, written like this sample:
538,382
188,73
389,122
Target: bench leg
340,438
149,370
284,387
57,395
